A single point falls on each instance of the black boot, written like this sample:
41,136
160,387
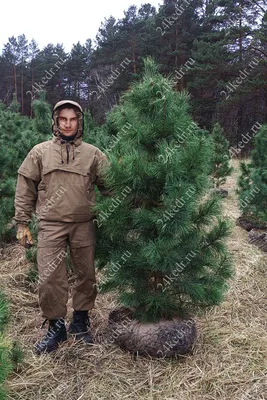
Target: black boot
80,325
56,334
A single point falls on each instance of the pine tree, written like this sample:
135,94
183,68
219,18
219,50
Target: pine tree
76,72
252,183
177,27
17,137
221,158
42,113
212,58
94,134
161,239
10,352
5,346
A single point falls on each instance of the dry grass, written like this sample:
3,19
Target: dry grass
228,362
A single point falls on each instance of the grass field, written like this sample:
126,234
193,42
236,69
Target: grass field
229,360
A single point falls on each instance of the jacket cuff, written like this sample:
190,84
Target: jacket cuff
17,222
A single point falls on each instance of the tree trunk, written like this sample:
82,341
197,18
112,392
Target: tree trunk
15,82
240,38
32,84
22,88
134,55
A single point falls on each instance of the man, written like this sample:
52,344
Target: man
57,180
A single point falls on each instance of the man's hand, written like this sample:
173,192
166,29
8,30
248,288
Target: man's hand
24,236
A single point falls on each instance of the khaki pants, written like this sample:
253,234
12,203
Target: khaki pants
53,238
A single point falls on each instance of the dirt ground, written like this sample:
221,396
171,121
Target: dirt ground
229,360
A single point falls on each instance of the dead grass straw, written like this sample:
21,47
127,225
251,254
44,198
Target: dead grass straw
228,362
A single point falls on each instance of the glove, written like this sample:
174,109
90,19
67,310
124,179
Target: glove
24,236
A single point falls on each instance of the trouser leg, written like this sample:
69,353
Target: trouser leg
82,250
84,290
53,276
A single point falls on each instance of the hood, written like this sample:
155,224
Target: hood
78,110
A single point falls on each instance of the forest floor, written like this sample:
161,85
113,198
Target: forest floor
229,359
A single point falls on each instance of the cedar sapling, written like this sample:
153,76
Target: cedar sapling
161,238
252,182
221,157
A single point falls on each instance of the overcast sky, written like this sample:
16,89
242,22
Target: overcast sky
54,21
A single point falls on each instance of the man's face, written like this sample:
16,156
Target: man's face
68,121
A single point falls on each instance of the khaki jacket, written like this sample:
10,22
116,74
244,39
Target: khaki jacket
57,179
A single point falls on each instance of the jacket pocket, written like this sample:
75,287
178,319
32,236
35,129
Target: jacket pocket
66,196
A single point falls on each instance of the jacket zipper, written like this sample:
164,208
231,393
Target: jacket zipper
68,152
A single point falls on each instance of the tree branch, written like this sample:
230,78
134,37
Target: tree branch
260,50
258,5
